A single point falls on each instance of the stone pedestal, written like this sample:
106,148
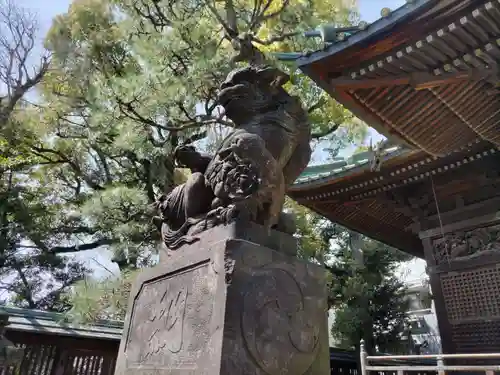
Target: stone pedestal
237,302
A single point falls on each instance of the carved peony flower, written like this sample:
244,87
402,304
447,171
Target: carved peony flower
241,181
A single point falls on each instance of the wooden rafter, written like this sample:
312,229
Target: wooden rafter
419,81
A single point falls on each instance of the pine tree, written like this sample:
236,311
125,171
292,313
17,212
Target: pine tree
32,273
366,295
131,80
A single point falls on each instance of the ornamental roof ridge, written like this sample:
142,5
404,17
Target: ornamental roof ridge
387,20
340,167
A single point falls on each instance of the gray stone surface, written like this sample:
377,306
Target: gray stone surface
228,306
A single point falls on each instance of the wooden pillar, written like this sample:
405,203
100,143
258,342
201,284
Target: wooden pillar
463,258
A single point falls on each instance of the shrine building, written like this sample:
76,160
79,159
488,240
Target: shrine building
426,77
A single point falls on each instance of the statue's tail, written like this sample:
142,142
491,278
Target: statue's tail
174,239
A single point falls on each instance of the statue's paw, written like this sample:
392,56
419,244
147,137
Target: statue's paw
216,212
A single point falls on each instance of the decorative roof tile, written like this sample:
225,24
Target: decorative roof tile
386,22
343,167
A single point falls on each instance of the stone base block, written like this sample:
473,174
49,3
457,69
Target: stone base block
228,306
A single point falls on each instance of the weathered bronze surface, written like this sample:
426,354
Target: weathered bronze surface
251,171
236,307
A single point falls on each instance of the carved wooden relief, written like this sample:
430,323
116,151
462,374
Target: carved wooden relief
467,245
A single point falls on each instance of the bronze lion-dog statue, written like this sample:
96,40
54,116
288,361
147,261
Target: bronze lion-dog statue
253,167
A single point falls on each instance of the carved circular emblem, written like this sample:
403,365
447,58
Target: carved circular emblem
280,328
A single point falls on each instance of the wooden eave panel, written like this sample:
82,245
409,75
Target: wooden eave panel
438,121
385,205
357,174
394,173
442,118
413,26
385,229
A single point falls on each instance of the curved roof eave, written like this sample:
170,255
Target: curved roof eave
308,180
379,26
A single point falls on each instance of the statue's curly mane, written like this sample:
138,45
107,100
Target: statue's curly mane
263,96
253,166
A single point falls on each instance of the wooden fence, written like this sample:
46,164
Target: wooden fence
59,355
53,347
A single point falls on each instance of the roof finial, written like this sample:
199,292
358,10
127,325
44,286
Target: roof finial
385,12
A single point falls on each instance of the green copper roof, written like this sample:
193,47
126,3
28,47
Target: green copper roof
343,167
53,323
377,29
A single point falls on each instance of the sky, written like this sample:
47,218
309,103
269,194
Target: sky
46,10
369,12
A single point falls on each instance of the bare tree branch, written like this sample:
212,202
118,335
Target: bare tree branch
260,16
231,33
275,39
18,30
82,247
231,16
28,296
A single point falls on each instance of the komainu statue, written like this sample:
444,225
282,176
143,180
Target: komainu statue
252,169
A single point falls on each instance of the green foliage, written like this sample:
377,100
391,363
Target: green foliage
128,82
101,299
131,81
312,246
32,274
366,294
30,271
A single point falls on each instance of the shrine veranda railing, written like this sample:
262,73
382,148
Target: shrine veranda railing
429,364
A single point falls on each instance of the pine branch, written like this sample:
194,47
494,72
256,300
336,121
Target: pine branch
230,33
40,151
275,39
82,247
259,16
325,133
